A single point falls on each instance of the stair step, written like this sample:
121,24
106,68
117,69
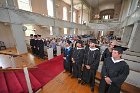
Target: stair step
3,86
131,58
21,77
133,65
35,83
12,82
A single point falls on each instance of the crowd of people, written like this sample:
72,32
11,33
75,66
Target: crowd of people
82,58
82,63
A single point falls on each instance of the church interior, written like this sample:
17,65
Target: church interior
29,67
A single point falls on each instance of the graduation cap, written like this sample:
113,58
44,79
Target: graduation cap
94,41
31,34
39,35
68,41
120,49
35,36
80,42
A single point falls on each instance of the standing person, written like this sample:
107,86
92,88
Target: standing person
32,43
67,57
36,45
40,45
91,63
108,51
114,72
77,60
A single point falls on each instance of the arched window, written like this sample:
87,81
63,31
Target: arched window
50,8
74,16
24,5
64,13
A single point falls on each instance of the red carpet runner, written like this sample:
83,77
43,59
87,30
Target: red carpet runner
14,81
46,71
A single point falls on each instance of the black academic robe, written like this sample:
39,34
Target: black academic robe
117,72
36,47
40,45
68,61
32,44
77,55
91,58
106,54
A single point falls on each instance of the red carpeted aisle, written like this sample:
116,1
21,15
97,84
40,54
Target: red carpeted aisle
46,71
14,81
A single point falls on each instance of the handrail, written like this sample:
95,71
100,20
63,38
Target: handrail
16,69
10,54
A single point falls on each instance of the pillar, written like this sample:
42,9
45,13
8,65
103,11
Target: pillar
134,39
18,35
71,10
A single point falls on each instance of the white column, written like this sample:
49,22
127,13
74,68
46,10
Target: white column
18,35
79,32
54,8
82,13
134,41
126,34
71,31
71,10
56,31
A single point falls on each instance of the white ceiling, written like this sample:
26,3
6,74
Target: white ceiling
101,4
77,4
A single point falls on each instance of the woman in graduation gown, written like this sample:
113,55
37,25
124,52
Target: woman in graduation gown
67,57
91,63
108,51
114,72
77,60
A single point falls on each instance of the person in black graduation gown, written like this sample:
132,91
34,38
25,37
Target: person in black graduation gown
77,60
67,57
36,45
91,63
40,45
114,72
32,43
108,51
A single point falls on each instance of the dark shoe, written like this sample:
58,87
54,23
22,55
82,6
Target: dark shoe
79,81
83,83
92,89
72,76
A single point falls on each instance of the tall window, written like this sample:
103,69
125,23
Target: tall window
74,16
65,30
50,8
51,32
24,5
29,30
64,13
106,17
74,31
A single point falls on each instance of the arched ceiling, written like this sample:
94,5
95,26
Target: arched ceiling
102,4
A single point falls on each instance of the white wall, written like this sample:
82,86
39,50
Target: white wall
6,35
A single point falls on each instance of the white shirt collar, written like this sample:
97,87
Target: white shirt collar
93,49
116,61
79,48
67,47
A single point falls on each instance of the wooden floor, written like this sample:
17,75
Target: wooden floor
60,84
63,83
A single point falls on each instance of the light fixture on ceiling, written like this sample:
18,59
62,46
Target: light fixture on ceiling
97,16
